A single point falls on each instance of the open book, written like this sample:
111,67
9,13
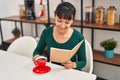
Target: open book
63,55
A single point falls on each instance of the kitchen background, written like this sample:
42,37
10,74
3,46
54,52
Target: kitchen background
11,7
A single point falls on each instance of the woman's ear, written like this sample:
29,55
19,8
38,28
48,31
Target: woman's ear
55,17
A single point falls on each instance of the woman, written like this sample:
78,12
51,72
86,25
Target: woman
61,35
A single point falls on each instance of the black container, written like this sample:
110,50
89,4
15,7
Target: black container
88,18
88,14
29,9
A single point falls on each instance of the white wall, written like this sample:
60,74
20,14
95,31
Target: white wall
11,7
3,8
106,71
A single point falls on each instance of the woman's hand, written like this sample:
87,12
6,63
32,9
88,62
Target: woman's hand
69,64
35,57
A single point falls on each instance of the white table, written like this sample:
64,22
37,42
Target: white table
17,67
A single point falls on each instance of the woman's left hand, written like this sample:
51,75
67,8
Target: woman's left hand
69,64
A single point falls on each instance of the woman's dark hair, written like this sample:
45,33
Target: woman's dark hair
65,10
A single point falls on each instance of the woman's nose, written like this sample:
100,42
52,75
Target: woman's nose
63,24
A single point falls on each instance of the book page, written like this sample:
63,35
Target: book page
75,49
59,55
63,55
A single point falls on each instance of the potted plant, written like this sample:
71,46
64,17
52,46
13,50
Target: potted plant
109,45
16,32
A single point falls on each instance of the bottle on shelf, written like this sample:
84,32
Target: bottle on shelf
43,11
88,14
22,11
100,15
111,15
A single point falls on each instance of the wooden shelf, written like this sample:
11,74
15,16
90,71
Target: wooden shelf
77,23
99,57
10,40
18,19
5,44
103,27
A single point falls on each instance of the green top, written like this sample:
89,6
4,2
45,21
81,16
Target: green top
47,39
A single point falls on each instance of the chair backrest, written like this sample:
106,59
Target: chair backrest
24,46
89,57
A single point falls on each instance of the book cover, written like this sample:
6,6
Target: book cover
62,55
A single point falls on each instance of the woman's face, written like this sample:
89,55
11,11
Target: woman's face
62,24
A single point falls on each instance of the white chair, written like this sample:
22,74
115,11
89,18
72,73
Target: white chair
24,46
89,58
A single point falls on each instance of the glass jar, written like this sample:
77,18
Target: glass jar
111,15
22,11
100,15
88,14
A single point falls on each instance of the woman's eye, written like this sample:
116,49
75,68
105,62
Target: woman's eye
67,22
59,20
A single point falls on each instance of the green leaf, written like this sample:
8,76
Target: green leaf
109,44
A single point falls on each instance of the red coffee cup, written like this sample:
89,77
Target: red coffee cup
41,61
